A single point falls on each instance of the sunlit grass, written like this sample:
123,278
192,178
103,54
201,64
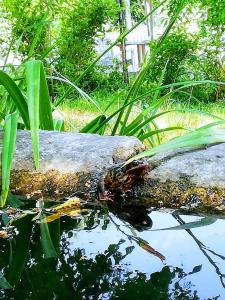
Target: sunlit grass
79,112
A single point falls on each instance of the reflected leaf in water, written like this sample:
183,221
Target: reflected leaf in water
17,251
74,275
200,223
145,245
165,284
139,241
46,241
4,284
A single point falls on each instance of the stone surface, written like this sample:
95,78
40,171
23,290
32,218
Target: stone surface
68,161
72,163
191,178
203,167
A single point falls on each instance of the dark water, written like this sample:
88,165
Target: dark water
103,255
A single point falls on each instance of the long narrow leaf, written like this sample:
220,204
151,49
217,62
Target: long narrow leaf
16,96
9,141
201,136
32,71
45,108
153,132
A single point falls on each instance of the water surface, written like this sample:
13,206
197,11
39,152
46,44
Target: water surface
109,255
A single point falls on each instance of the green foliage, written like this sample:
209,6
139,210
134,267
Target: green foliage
69,26
29,20
215,12
39,105
171,56
35,109
77,34
202,136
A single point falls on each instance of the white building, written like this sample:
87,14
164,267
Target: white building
137,42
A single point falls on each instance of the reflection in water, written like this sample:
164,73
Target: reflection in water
101,255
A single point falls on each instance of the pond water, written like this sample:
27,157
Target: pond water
103,254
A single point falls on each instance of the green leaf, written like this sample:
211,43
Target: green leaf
32,71
153,132
9,141
16,96
201,223
93,126
45,113
202,136
58,124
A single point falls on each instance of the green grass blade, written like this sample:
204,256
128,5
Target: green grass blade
9,141
37,35
157,131
32,71
93,125
202,136
16,96
80,91
181,85
58,124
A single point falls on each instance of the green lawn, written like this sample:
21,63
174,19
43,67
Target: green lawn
77,113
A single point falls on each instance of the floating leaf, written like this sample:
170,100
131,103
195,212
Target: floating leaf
65,212
69,204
